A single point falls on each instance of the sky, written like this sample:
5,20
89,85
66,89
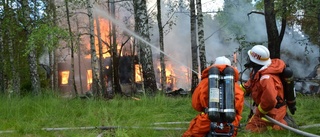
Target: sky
210,5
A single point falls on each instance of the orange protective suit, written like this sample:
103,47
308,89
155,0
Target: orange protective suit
266,91
200,125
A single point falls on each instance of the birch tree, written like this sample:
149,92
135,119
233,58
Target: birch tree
96,86
8,28
102,83
15,80
32,55
202,48
145,52
194,48
162,60
52,17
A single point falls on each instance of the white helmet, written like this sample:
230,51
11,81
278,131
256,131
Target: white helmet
259,54
222,60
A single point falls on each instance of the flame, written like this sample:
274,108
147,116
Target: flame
105,36
138,74
89,79
64,77
170,76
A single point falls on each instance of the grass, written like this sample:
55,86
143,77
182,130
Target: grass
27,116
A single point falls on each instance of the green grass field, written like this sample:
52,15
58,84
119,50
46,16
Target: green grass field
122,116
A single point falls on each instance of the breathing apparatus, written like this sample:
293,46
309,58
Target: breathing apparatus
221,107
288,88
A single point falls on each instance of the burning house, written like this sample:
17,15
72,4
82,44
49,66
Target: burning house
127,75
129,67
83,73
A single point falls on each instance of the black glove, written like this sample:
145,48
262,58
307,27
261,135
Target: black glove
292,107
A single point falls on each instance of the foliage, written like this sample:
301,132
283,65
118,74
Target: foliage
28,115
232,29
302,15
45,36
310,20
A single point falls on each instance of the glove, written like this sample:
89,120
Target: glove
292,107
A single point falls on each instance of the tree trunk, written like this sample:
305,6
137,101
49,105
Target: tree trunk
274,38
194,48
272,30
52,64
142,28
15,80
100,56
73,80
318,18
162,60
35,83
1,66
96,87
32,56
3,38
114,53
202,47
79,55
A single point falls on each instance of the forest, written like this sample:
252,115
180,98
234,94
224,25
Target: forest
108,47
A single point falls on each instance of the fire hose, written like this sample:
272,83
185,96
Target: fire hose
300,132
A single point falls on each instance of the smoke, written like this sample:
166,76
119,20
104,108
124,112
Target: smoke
220,40
220,37
299,53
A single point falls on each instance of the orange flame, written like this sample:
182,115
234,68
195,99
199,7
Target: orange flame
138,74
89,79
64,77
104,36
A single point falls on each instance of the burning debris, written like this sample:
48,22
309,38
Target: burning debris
309,85
178,92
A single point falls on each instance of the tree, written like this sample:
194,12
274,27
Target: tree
32,53
96,87
162,63
114,53
202,49
274,38
270,13
145,52
102,81
78,42
72,50
52,15
9,28
1,66
194,48
309,19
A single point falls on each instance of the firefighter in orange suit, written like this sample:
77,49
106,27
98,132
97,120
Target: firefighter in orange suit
266,90
200,125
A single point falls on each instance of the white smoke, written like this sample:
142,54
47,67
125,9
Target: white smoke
301,57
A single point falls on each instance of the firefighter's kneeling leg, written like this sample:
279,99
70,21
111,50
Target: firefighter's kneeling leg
257,124
199,126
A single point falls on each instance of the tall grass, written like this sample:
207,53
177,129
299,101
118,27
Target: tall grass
28,116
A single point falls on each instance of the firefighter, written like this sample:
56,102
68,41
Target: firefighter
265,88
200,125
